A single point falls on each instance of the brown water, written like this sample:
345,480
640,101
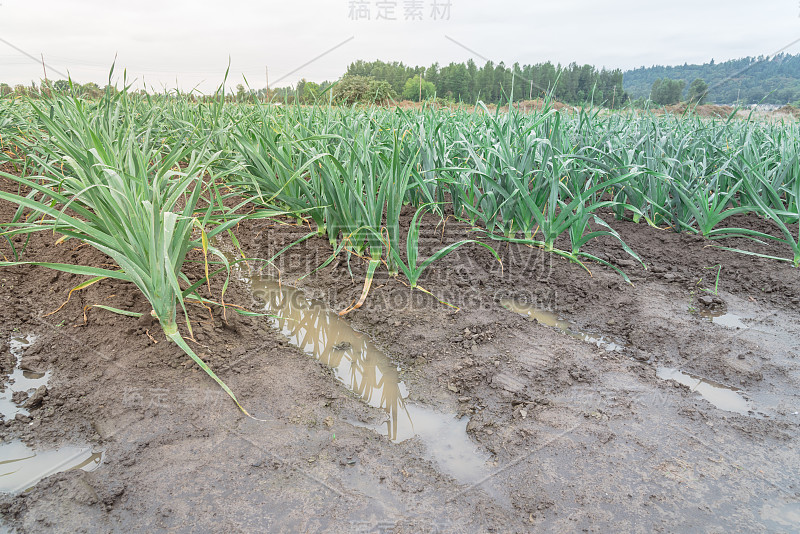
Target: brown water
723,397
369,373
729,320
20,379
22,467
551,319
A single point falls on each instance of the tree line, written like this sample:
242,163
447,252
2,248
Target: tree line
743,81
750,80
467,82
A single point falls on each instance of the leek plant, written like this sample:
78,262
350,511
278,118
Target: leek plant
412,268
124,196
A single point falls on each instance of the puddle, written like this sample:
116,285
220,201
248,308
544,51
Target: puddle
20,379
552,320
367,372
446,436
22,467
730,320
723,397
780,515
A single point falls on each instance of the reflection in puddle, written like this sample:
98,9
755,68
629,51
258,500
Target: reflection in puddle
446,439
21,467
355,360
730,320
783,516
550,319
367,372
723,397
20,379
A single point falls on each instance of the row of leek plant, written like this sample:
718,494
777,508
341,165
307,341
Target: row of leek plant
108,182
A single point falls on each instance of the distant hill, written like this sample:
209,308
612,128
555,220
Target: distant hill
746,81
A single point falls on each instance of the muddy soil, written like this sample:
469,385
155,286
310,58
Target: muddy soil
576,437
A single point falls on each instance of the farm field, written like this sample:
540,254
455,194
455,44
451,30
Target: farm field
604,340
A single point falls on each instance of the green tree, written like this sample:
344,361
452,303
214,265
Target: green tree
485,83
472,73
363,89
310,92
92,90
240,93
666,92
454,82
698,91
414,86
61,86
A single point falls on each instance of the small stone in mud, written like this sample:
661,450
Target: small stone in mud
706,300
22,418
329,421
464,399
37,398
452,388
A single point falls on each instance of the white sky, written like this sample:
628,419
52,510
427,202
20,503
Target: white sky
188,43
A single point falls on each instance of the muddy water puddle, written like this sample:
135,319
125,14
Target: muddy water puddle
724,397
551,319
20,380
721,396
369,373
22,467
729,320
769,338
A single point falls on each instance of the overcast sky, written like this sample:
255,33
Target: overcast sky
188,43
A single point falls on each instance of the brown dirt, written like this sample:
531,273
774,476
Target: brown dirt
704,110
789,110
580,438
524,105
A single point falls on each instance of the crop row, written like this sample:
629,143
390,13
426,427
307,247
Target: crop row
146,180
